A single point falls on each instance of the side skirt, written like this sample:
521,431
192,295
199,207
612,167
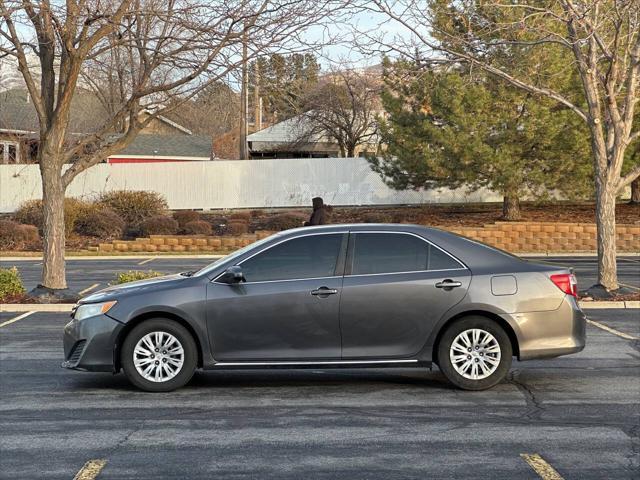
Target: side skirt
323,364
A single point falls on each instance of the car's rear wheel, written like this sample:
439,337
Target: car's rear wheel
159,355
475,353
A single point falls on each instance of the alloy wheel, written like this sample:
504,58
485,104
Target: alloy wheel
158,356
475,354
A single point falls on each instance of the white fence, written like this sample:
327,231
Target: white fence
236,184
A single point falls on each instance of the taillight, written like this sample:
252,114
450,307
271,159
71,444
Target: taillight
566,282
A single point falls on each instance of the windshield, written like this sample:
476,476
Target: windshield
228,258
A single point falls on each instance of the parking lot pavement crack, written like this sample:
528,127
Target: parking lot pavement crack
633,458
534,405
126,438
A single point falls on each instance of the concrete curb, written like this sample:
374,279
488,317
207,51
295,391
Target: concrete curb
36,307
111,257
66,307
602,305
571,254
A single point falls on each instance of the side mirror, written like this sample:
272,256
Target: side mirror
233,275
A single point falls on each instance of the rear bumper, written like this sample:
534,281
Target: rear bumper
89,344
550,334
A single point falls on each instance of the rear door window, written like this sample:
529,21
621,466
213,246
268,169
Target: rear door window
377,253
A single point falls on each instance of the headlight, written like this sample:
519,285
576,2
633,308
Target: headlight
92,309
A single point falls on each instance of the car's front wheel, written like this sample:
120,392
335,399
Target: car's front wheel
475,353
159,355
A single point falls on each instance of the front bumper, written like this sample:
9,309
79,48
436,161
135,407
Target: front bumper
89,344
550,334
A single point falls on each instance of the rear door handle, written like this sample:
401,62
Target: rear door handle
446,284
324,291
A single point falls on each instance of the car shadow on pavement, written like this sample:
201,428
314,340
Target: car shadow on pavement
277,378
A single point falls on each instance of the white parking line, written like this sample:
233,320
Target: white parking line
629,286
90,470
147,260
15,319
628,260
610,330
88,289
541,467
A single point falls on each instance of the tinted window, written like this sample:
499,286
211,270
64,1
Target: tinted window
438,260
389,253
305,257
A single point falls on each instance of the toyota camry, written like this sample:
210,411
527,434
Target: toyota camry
345,296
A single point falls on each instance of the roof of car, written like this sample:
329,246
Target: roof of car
479,257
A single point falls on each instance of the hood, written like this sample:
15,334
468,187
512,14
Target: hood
317,203
133,287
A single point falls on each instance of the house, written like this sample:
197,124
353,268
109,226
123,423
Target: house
295,138
152,148
161,140
289,139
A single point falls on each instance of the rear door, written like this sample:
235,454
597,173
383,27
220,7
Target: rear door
396,287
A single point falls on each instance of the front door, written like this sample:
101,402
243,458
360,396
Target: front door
396,287
288,308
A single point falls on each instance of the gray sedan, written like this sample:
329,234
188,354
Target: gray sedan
335,296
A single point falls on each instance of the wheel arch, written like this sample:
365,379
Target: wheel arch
478,313
137,320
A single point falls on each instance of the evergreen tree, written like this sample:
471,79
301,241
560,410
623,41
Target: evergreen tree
283,81
454,127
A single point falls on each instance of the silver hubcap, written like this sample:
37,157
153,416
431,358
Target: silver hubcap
158,356
475,354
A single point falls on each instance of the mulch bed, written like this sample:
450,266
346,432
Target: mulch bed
477,215
468,215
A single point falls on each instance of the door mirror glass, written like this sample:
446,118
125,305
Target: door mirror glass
232,275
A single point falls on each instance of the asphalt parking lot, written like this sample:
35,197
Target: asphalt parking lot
93,275
580,414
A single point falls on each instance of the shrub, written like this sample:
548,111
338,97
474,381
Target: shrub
10,284
134,206
31,213
376,217
133,275
159,225
285,221
243,215
185,216
16,236
197,227
100,222
237,227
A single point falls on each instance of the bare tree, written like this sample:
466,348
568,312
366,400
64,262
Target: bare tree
344,107
151,52
603,38
213,112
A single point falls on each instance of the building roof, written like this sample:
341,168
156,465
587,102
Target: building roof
287,131
87,113
147,144
18,113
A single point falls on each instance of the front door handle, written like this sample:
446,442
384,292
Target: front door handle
447,284
324,291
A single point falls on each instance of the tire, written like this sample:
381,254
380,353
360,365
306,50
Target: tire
166,370
492,357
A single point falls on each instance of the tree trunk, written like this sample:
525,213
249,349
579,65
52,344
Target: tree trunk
606,235
635,192
53,271
351,151
511,208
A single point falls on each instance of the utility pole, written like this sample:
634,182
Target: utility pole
257,100
244,104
